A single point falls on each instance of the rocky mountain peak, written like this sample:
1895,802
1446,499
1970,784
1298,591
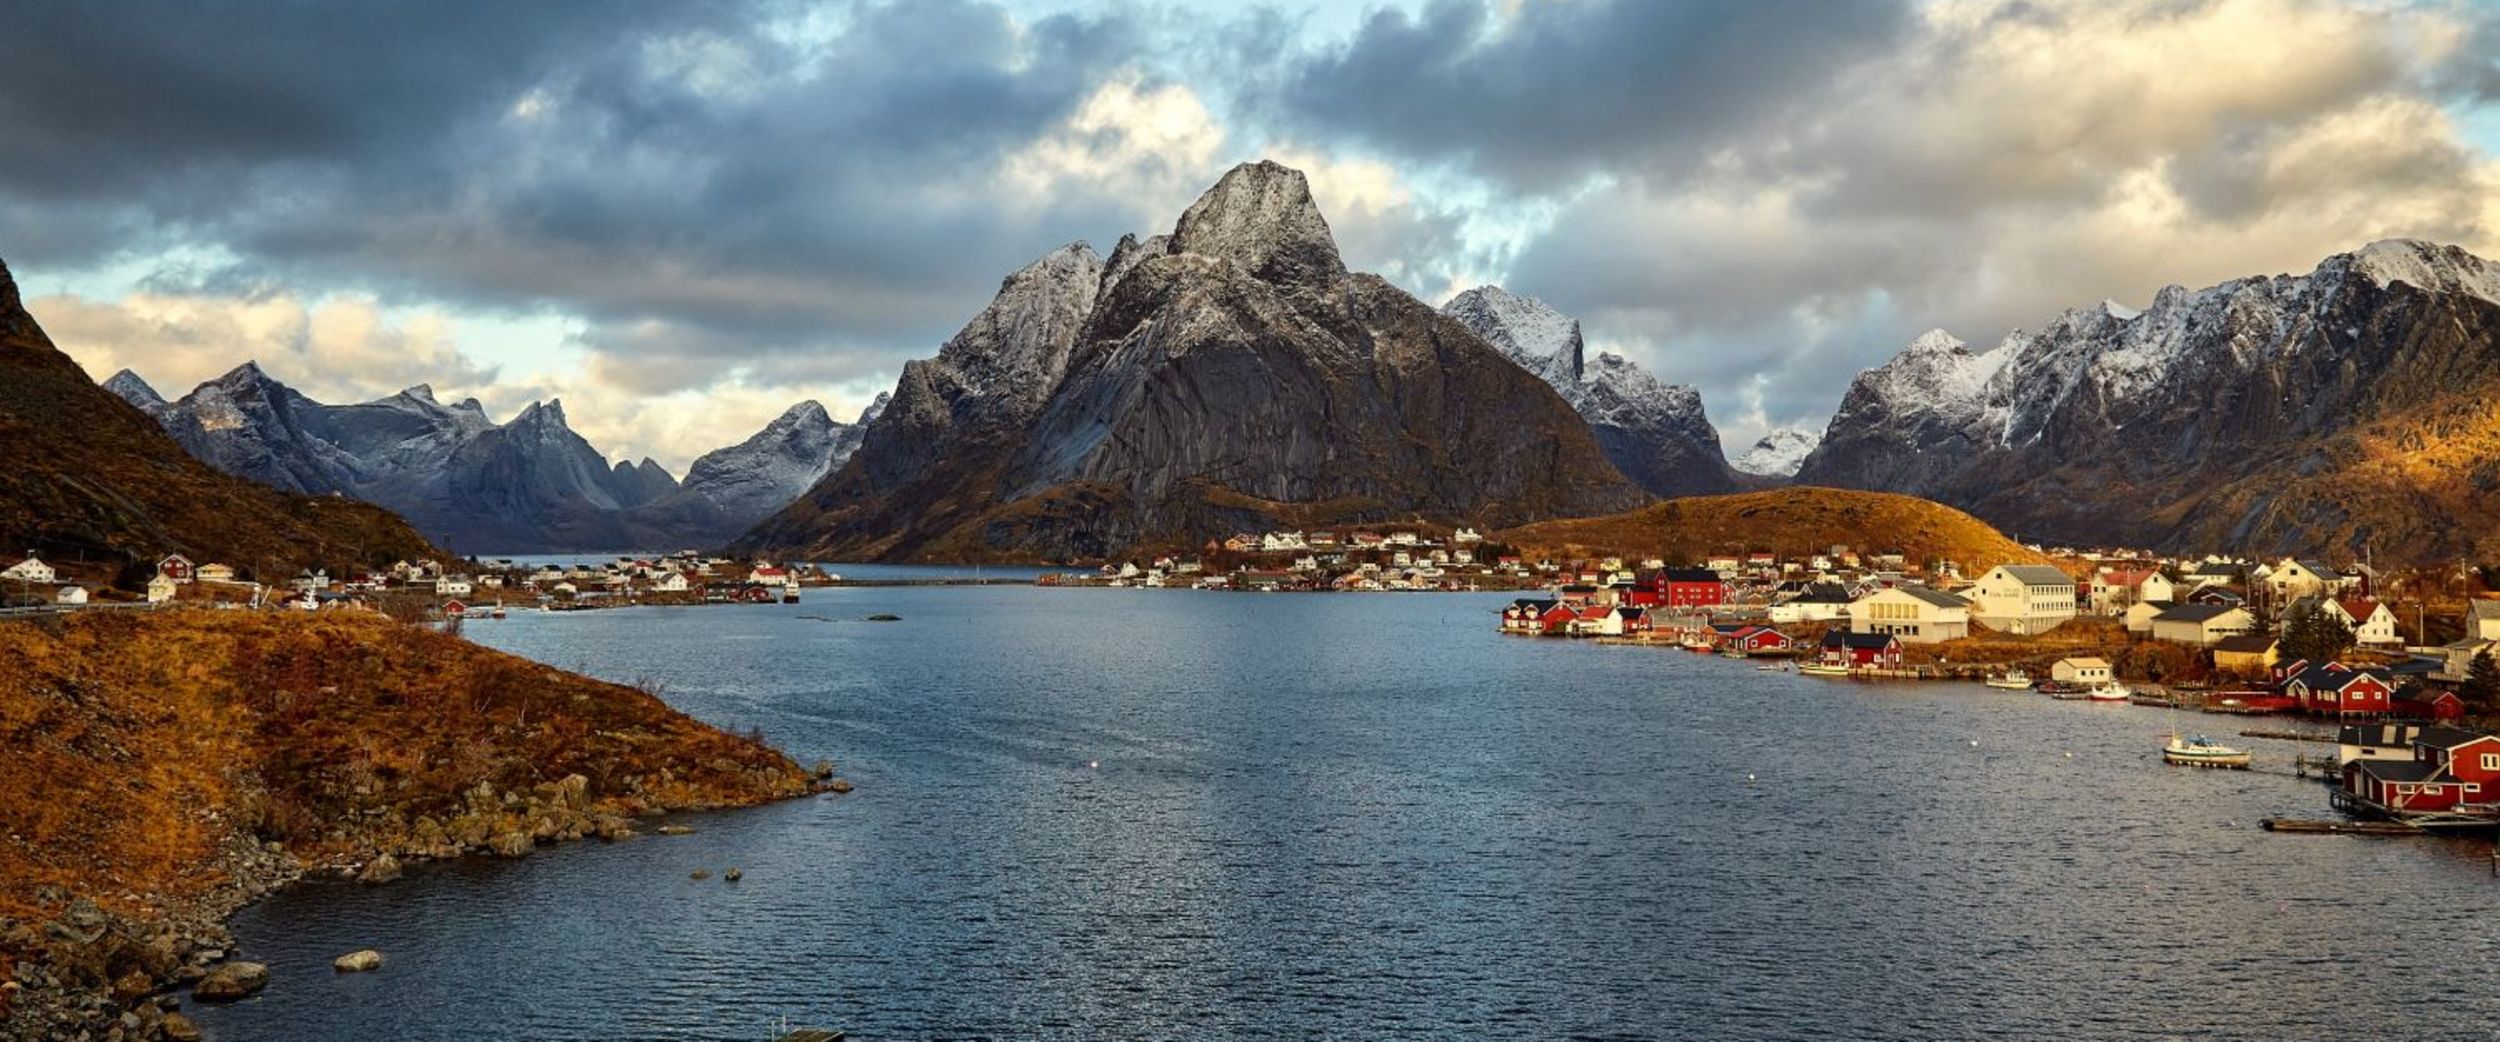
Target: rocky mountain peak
1655,432
806,415
875,408
1778,453
2424,265
1261,216
128,386
420,393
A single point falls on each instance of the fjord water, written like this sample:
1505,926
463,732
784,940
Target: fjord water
1372,817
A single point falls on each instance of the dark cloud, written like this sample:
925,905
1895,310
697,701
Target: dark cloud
670,165
1565,89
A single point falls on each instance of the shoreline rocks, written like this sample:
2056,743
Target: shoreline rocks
231,981
363,961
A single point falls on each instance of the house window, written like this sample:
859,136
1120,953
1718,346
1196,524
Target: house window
2491,761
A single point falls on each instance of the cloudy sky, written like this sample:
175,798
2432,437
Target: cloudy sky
681,218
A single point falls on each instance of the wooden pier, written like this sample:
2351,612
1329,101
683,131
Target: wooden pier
2290,736
2342,828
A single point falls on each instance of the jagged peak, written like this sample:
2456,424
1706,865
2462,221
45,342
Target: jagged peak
875,408
1261,216
1935,341
547,413
130,387
2423,264
1060,265
420,393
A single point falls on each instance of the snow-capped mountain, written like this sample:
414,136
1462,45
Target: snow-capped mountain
1656,433
2344,410
1230,375
749,480
1779,453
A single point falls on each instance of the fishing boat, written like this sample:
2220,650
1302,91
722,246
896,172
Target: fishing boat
497,611
1819,669
2110,691
1769,667
2011,680
2200,751
2061,691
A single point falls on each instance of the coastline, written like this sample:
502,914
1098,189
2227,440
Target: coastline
139,837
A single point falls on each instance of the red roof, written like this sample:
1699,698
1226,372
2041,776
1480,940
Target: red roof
2360,608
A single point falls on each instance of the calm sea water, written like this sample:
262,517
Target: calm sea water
1373,817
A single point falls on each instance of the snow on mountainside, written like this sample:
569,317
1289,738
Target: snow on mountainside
765,472
1656,433
2197,418
1779,453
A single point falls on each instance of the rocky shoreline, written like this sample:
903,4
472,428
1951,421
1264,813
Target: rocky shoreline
91,975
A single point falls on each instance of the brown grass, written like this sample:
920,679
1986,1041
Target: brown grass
1792,522
137,743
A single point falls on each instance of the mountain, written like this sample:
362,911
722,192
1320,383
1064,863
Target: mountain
1797,521
728,490
2349,411
1779,453
1231,374
93,478
532,484
1655,433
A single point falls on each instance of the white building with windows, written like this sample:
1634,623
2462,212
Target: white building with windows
2023,599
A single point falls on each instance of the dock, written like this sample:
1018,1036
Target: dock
2342,828
2290,736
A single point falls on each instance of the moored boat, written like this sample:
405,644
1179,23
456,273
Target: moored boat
1818,669
2200,751
2011,680
2109,692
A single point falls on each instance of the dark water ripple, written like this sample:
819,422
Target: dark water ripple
1370,817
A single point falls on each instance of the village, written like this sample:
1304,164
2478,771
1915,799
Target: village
2291,636
423,589
1404,558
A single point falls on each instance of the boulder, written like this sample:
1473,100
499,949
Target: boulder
700,873
231,981
179,1028
363,961
514,844
840,785
823,769
380,870
733,875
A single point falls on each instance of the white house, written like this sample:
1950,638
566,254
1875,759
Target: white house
1915,614
2203,625
453,586
2116,589
2141,614
2372,623
670,582
29,570
2293,578
2080,671
160,589
70,595
2023,599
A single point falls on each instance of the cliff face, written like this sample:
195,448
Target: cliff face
1229,375
1655,433
92,476
2346,411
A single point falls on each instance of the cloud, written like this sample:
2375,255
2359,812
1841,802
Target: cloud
339,349
2002,162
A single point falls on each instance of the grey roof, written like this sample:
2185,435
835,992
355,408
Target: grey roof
1931,595
2038,575
2446,737
1853,639
2377,734
2194,613
2399,770
2324,570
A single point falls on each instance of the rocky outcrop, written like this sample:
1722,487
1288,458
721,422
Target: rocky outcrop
2347,411
1232,374
1779,453
1656,433
728,490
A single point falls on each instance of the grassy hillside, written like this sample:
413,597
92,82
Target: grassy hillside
91,479
141,745
1793,521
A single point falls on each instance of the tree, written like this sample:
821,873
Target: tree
2315,634
2482,682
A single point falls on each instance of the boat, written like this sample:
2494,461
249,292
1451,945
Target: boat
2155,699
2200,751
1768,667
497,611
1818,669
2110,691
2011,680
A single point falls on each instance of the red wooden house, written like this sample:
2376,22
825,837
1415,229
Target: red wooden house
454,609
2342,690
1861,650
2442,705
1679,588
2450,766
177,568
1758,640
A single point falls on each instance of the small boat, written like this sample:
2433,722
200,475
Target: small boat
1817,669
2201,751
2011,680
496,612
2111,691
1779,667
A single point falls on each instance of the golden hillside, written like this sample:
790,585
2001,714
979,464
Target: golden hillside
1791,522
141,745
